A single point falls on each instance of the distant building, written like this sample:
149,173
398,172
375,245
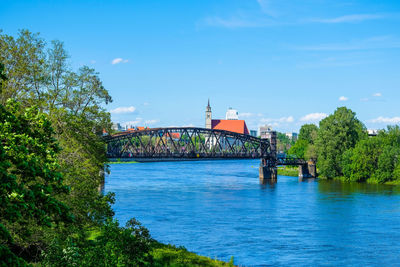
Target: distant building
232,123
117,127
265,131
292,136
253,133
232,114
372,132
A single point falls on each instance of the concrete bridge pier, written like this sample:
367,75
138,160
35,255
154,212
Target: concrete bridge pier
308,170
312,169
268,173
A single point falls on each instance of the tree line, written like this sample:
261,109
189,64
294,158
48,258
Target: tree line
52,163
344,150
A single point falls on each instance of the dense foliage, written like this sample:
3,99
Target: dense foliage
337,133
283,142
305,144
375,159
52,159
30,184
343,149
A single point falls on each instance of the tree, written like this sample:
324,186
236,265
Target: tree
30,180
3,77
74,103
375,159
337,133
360,162
304,146
299,148
309,133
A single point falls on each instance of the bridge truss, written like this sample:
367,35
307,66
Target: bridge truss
186,143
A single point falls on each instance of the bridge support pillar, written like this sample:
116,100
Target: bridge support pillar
312,169
303,171
268,174
308,170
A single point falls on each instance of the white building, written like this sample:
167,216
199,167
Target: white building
372,132
265,131
117,127
232,114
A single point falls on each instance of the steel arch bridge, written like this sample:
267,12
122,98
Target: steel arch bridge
180,143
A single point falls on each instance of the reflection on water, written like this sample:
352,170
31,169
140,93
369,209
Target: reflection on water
329,187
219,209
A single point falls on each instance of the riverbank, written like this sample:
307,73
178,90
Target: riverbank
368,181
121,162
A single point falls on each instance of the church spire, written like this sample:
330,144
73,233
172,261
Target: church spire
208,115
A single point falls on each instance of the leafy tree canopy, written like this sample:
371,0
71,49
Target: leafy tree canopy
337,133
30,180
309,133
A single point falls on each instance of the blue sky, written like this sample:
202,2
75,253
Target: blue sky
283,62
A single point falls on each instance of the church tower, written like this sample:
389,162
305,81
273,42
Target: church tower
208,115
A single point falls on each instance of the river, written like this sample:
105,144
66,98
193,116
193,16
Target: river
219,209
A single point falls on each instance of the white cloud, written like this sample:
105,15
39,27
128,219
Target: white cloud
122,110
349,18
146,103
119,60
386,120
377,94
343,98
279,120
246,115
133,123
151,121
314,117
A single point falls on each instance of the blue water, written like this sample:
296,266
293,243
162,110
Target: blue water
219,209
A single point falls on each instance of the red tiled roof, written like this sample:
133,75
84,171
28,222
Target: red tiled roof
237,126
174,135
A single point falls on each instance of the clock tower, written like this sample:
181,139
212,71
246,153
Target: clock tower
208,115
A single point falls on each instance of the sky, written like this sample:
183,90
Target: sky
278,62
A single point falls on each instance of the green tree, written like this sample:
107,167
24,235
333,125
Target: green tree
375,159
360,162
299,148
74,104
337,133
30,180
309,133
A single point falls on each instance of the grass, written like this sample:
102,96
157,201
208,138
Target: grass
169,255
288,171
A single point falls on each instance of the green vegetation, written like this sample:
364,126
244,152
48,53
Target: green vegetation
337,133
288,171
375,159
344,151
305,145
283,142
52,163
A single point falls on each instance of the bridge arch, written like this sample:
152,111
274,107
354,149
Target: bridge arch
186,143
